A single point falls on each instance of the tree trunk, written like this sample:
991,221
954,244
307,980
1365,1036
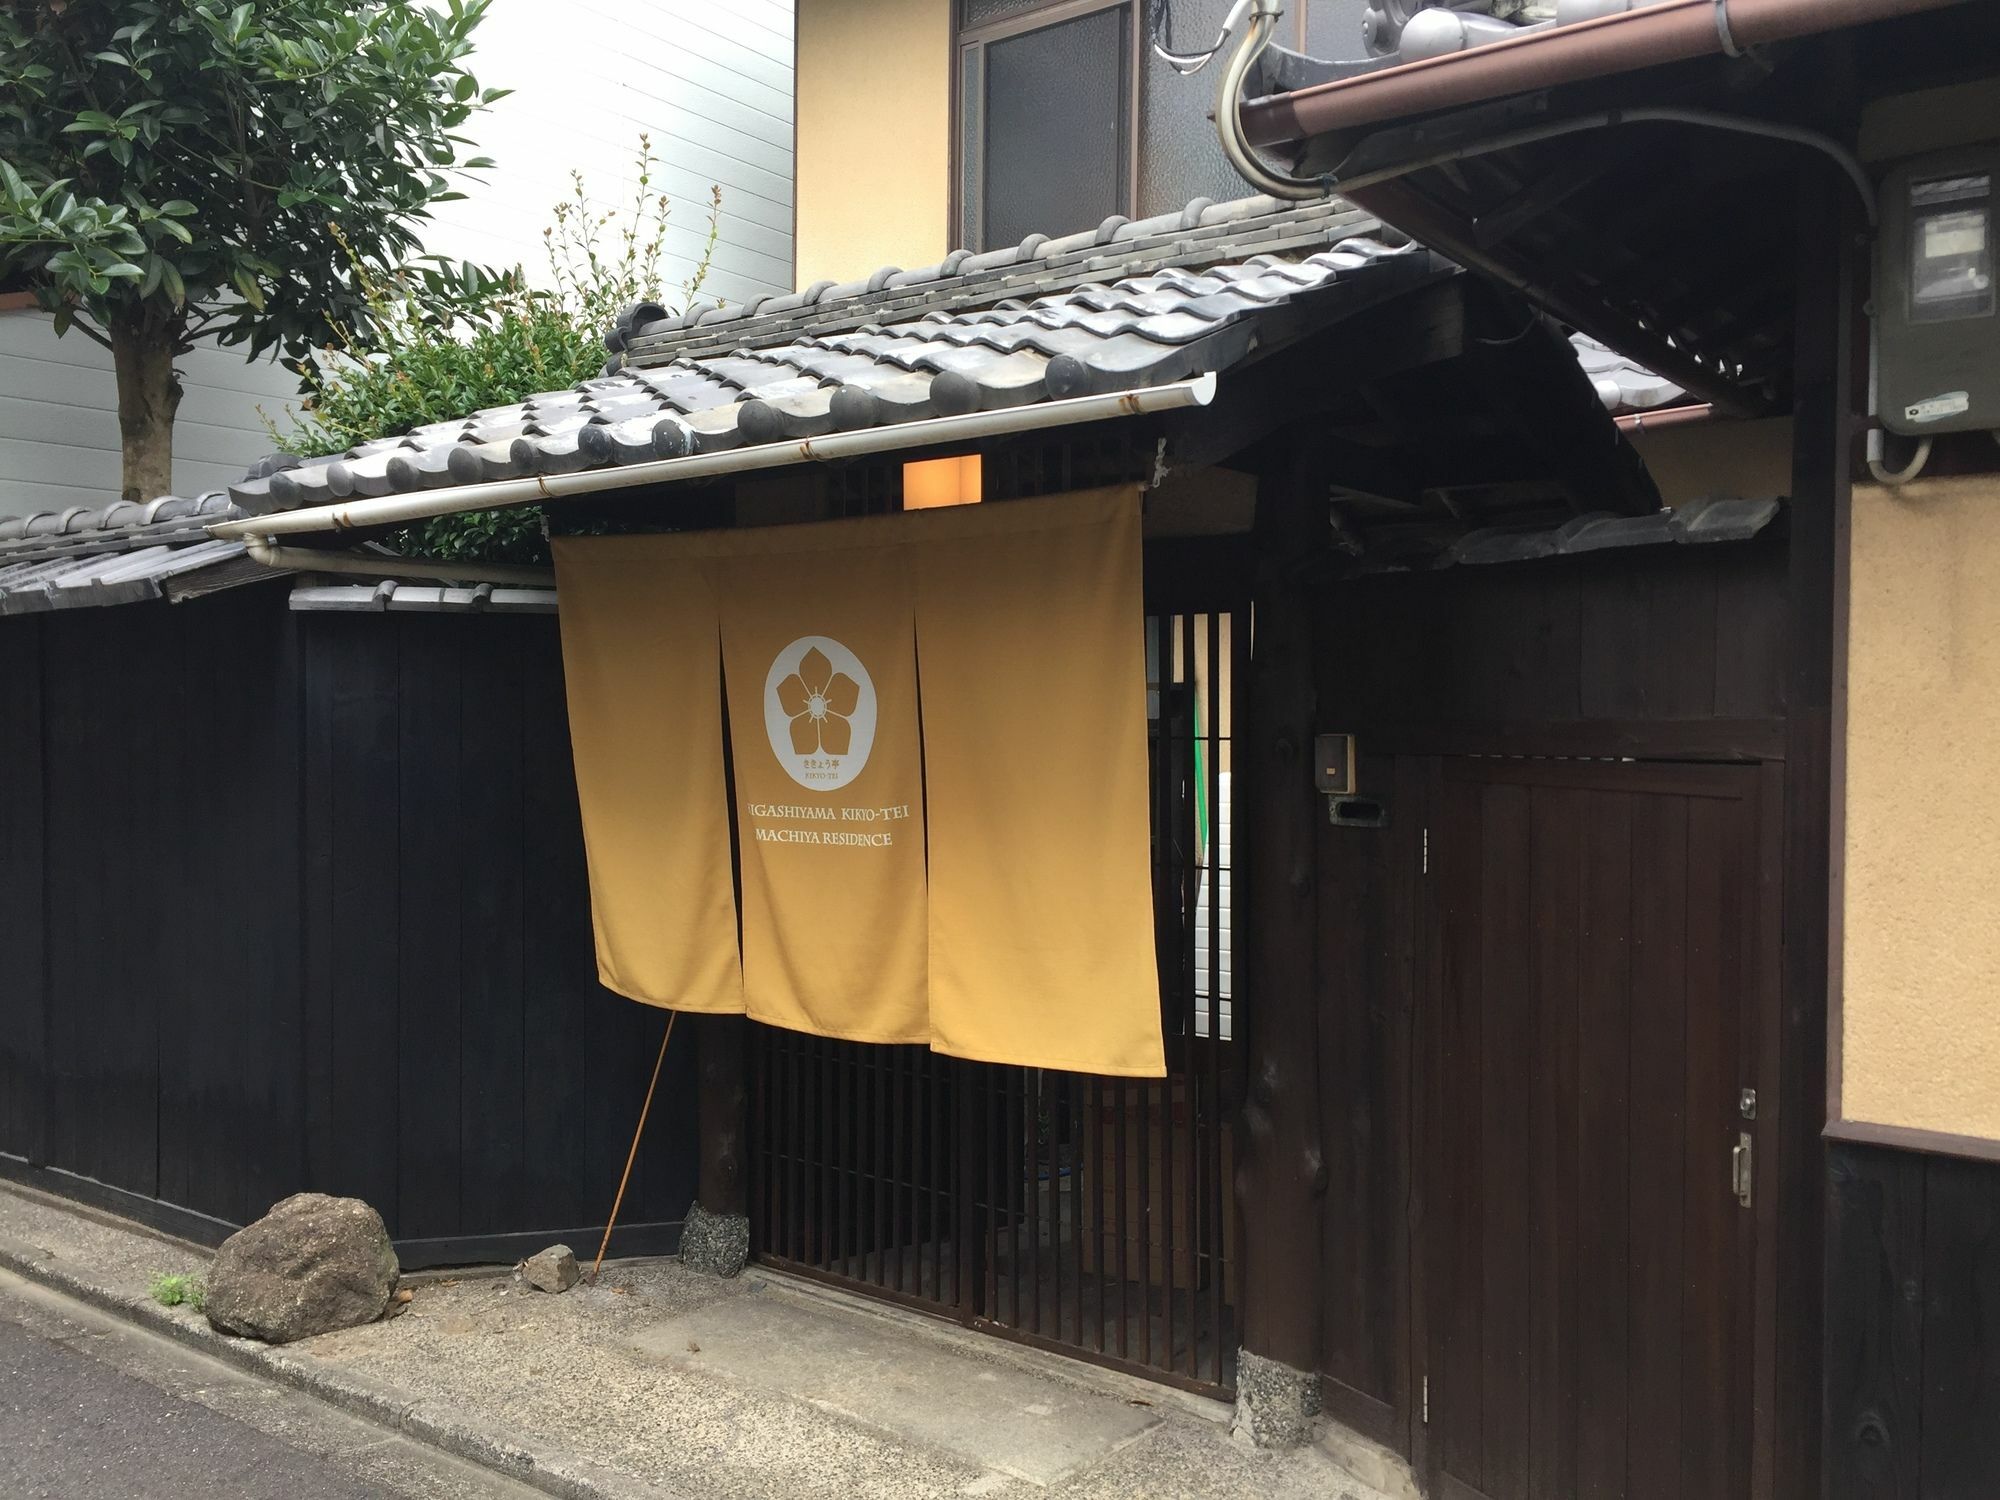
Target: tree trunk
149,393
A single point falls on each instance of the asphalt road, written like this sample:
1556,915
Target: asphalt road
94,1409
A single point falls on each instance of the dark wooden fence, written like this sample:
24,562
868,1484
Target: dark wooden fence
1913,1294
298,901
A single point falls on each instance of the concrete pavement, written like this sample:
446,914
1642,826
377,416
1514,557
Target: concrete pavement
660,1383
92,1408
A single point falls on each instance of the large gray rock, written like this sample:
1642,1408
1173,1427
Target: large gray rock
310,1265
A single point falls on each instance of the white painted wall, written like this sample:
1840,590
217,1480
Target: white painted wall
710,80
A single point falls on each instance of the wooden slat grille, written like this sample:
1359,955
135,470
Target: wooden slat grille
1087,1214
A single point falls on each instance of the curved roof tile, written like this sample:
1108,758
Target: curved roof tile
1128,304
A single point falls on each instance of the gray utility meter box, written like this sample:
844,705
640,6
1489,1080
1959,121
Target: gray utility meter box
1937,336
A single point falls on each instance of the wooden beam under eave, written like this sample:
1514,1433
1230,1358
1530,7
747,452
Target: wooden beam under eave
1406,208
1547,193
1422,327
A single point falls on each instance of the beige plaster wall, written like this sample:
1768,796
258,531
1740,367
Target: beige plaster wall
1718,459
1920,1040
873,88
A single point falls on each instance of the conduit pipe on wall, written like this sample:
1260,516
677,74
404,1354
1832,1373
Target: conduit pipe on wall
423,505
1642,114
1228,102
1663,32
434,569
1878,463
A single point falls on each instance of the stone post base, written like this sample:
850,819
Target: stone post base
1276,1406
716,1243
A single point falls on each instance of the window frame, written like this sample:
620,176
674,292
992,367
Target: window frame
1034,15
1037,16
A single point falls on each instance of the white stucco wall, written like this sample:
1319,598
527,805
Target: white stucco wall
711,80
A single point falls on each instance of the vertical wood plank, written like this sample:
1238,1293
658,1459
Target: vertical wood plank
1604,1054
1556,866
491,915
1649,646
1658,1165
1366,893
24,1063
1960,1457
1752,630
1455,1210
108,830
352,718
1875,1343
1714,1344
231,1109
664,1179
568,1130
1506,1158
430,953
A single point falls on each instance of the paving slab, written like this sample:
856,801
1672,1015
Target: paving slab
895,1378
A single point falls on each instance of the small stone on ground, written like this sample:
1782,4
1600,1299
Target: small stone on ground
551,1270
716,1243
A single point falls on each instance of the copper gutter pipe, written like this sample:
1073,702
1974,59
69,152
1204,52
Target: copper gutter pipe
1666,416
1666,31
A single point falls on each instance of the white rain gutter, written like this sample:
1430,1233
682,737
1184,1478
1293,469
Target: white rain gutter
431,569
424,505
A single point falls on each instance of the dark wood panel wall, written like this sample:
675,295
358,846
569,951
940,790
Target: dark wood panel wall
1663,649
1673,653
1913,1297
299,902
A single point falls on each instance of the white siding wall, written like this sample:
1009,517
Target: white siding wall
710,80
59,418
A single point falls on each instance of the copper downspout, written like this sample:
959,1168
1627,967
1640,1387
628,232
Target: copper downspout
1664,32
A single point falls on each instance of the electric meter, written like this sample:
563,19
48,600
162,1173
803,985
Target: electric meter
1937,340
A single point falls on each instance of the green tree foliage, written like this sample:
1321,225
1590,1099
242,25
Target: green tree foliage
169,169
427,352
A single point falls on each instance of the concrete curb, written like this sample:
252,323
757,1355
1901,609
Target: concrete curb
553,1471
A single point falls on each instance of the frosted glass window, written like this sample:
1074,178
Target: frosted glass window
1180,155
971,150
1055,109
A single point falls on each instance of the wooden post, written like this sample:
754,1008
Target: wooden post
1280,1167
721,1046
1824,397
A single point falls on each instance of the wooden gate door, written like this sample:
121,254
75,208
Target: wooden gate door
1587,1269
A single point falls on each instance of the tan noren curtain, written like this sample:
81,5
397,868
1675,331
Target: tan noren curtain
937,732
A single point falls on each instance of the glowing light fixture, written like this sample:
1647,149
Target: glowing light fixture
942,481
